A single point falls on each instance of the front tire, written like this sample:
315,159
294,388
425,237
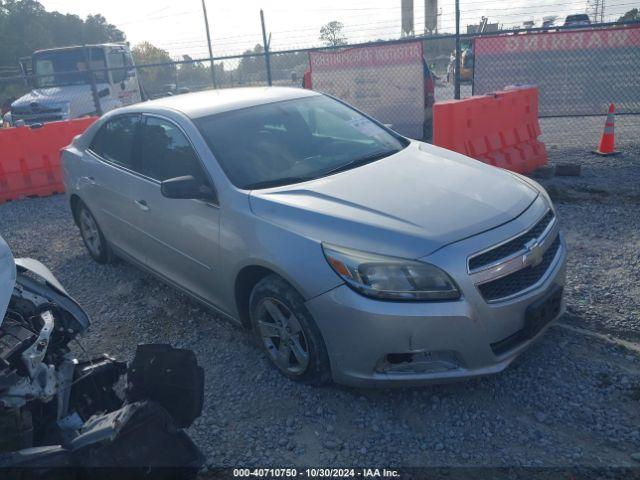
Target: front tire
92,235
287,333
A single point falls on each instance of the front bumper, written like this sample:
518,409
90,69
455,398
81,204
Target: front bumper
370,341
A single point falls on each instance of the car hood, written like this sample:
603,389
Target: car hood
409,204
7,277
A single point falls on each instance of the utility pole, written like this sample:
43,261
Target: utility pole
596,9
456,92
206,24
266,42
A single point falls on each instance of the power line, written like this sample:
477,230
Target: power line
387,27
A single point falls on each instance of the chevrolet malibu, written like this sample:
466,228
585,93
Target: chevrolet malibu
352,253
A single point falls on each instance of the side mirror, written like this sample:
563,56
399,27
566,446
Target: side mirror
187,188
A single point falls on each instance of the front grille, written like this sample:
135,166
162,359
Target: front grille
37,111
37,119
512,246
520,280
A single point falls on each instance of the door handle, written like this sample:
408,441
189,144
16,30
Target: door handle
142,204
90,180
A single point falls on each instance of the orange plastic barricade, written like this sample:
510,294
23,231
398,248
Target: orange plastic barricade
500,129
30,158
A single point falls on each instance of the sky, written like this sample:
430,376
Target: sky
178,26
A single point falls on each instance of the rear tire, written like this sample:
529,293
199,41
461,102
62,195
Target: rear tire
287,333
92,235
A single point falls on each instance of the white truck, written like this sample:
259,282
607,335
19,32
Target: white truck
62,87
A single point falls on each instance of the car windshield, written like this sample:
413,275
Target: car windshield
67,67
293,141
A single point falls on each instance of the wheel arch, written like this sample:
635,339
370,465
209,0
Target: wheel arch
74,201
246,279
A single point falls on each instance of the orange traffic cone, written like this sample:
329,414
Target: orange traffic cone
607,141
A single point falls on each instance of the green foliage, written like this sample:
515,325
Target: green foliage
332,34
197,75
194,75
25,26
252,70
630,16
154,79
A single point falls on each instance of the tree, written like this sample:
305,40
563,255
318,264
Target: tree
98,30
25,26
630,16
332,35
196,75
155,78
252,69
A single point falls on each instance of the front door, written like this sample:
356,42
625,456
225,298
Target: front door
124,80
182,235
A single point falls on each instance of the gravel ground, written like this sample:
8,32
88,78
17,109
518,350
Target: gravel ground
572,399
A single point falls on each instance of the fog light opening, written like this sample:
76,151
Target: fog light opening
396,358
419,362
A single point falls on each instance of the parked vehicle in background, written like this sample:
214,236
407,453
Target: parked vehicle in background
429,100
577,20
352,252
466,65
549,21
62,87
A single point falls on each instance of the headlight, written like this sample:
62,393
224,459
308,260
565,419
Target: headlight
390,278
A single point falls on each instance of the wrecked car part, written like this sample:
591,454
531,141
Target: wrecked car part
33,356
93,386
132,436
169,376
37,280
7,277
58,411
16,426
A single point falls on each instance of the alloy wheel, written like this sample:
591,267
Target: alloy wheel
90,232
283,336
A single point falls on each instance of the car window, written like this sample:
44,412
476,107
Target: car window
166,152
116,61
114,141
295,140
65,67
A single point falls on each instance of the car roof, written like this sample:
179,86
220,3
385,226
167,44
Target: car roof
578,16
211,102
76,47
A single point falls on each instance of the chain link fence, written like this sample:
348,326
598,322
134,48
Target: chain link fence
579,72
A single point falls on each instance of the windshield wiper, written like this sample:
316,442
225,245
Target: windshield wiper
279,182
372,157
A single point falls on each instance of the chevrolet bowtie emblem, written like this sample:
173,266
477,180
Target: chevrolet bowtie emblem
534,253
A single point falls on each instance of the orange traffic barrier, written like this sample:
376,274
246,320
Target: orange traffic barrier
500,129
608,140
30,158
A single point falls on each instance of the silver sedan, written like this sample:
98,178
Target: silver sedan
351,252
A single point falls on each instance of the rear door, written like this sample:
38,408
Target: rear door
182,235
107,184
